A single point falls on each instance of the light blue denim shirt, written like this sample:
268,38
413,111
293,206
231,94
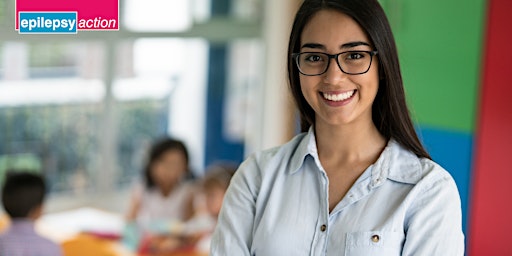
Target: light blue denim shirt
277,204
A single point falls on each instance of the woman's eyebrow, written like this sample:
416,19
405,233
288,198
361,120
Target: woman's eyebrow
345,45
354,44
313,45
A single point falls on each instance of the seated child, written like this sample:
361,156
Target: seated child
213,186
195,234
22,197
162,202
164,195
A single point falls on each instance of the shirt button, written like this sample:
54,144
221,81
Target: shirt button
323,228
375,238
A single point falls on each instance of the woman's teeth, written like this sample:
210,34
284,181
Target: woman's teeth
340,96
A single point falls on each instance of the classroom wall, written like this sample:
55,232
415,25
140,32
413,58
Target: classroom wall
456,67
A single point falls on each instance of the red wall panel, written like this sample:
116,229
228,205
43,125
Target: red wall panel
491,214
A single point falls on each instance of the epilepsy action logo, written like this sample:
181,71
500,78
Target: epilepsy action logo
66,16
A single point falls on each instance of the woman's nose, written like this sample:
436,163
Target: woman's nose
333,74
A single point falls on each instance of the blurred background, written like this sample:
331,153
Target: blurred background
84,108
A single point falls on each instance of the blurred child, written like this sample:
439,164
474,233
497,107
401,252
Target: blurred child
164,194
213,186
22,197
195,235
164,199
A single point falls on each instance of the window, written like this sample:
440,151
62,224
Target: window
158,15
84,109
56,59
50,107
162,93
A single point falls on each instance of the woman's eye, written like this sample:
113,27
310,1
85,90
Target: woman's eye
355,55
313,58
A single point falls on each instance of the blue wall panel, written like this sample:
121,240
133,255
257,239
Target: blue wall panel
453,151
217,147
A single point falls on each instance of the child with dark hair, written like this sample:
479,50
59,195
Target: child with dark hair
195,234
162,202
164,194
23,196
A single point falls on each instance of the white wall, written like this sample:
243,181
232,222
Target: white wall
273,116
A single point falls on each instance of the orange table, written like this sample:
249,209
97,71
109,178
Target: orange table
87,245
69,228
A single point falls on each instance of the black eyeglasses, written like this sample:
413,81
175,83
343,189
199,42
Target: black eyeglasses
350,62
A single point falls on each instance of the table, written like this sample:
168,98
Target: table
89,231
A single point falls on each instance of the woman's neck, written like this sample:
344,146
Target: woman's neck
349,142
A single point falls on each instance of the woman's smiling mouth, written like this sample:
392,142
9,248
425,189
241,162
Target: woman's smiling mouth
338,96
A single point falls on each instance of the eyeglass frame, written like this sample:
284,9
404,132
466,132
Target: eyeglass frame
296,55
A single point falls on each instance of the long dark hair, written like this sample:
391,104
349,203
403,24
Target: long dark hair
159,148
390,113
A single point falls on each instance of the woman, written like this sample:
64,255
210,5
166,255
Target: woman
357,181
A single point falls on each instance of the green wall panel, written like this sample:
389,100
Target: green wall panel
439,44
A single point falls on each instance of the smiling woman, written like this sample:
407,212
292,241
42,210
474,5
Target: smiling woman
357,181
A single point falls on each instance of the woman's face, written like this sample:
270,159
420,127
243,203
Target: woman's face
338,98
169,168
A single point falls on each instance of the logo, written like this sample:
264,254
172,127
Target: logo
47,22
66,16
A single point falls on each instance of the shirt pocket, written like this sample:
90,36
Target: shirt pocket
375,243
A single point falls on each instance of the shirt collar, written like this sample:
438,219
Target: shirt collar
306,146
395,162
22,224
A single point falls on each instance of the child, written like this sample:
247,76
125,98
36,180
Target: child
195,235
213,186
164,195
22,197
163,201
